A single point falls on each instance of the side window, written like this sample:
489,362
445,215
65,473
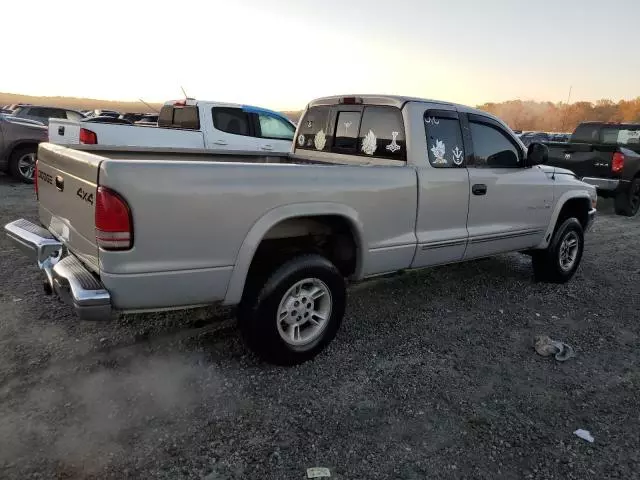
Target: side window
382,133
274,127
346,136
492,148
313,129
444,141
231,120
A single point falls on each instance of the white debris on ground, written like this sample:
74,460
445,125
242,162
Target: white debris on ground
584,434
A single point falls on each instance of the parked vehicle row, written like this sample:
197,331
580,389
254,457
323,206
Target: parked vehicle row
373,185
188,124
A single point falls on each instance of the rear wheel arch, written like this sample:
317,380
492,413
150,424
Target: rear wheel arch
274,225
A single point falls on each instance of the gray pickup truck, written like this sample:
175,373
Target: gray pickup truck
373,185
19,139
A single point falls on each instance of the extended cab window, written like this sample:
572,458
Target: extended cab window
231,120
274,127
382,133
493,148
444,141
313,129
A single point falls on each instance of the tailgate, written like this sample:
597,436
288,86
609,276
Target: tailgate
67,182
64,132
583,159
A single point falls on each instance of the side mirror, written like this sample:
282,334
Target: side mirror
537,154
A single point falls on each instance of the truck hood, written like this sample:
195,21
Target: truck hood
561,171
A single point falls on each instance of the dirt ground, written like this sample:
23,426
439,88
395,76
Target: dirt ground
433,375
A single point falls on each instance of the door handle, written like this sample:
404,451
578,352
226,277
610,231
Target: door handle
220,142
479,189
61,131
267,147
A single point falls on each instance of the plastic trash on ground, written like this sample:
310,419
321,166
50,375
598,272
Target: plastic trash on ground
546,347
584,434
318,472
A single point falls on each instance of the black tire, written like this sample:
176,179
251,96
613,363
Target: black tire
548,265
257,313
15,163
627,203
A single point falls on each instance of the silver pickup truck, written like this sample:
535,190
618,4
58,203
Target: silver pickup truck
373,185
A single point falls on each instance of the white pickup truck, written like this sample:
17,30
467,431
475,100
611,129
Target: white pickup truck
190,124
374,185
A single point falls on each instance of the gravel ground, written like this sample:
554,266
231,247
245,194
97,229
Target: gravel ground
432,375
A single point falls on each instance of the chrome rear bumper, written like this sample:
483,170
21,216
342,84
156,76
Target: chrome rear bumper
65,275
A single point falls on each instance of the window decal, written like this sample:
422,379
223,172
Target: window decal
320,141
438,150
433,120
393,146
457,156
369,143
301,140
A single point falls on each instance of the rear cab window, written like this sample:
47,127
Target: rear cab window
361,130
179,116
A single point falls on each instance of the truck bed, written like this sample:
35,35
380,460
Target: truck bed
193,211
67,132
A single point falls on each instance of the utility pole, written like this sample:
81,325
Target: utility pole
566,108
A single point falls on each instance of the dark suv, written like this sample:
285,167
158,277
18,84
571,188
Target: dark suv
43,114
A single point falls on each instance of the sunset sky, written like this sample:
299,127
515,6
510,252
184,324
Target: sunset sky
283,53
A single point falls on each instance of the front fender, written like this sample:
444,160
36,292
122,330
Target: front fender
277,215
566,196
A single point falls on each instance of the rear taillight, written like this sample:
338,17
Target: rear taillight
114,228
88,137
617,164
35,179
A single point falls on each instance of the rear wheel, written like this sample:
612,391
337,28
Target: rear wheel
628,203
559,262
22,164
296,313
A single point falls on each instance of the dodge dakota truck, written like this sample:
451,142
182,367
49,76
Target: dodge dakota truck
373,185
187,124
19,139
606,155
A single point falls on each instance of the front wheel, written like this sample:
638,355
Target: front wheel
22,164
559,262
296,313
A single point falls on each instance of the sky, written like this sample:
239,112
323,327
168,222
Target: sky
283,53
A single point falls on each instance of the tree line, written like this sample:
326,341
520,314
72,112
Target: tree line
562,117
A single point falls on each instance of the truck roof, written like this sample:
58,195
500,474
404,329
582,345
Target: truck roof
397,101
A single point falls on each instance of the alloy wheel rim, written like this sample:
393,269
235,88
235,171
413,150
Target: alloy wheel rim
27,165
569,251
304,312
